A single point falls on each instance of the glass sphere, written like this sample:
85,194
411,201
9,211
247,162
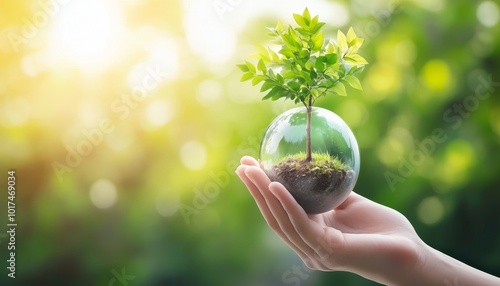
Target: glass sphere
324,181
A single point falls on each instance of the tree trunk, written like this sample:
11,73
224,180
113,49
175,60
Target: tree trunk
308,132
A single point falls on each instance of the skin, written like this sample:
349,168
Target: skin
359,236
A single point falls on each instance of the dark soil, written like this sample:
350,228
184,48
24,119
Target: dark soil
316,188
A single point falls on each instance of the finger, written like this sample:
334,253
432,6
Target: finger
315,236
341,217
249,161
264,209
261,203
352,199
355,214
262,182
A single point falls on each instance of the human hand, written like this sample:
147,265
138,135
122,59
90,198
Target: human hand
359,236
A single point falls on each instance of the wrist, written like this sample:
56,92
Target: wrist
437,268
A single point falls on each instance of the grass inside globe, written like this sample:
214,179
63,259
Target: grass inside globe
318,185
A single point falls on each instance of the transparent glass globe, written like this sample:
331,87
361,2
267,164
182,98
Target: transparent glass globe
323,183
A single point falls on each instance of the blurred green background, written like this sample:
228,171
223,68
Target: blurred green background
125,120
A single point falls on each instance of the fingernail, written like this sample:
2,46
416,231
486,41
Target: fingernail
240,170
247,173
247,169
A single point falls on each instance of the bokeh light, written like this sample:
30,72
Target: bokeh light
488,13
430,210
193,155
125,121
103,194
436,75
88,33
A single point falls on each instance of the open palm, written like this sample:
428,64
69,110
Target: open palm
359,236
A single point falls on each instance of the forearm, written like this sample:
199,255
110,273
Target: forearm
438,268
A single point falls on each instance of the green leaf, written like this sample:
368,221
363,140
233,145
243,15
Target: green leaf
263,53
317,27
339,89
356,70
262,66
304,32
331,48
294,86
243,68
320,64
314,21
317,40
246,76
355,60
279,27
331,59
289,75
289,41
271,73
294,39
353,82
286,52
279,94
330,82
304,55
267,85
313,75
307,15
341,43
315,92
274,56
257,79
251,67
268,95
300,20
274,93
305,75
354,46
272,30
343,69
351,36
309,64
280,78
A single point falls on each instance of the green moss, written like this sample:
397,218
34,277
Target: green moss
321,162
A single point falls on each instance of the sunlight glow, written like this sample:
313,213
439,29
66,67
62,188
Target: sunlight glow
15,112
212,27
121,139
209,92
161,63
211,39
87,32
159,112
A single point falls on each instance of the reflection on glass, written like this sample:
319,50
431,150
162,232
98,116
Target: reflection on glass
326,181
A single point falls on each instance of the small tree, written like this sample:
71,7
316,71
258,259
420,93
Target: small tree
306,67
